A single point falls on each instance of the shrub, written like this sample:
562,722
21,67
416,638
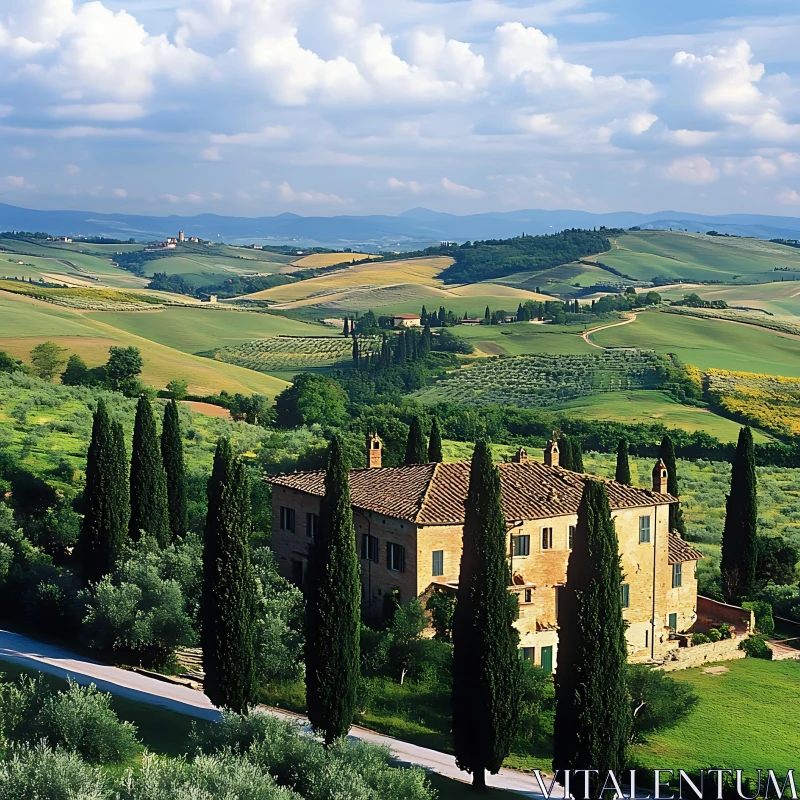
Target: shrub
44,774
346,771
699,638
657,701
714,635
77,719
763,613
756,647
725,631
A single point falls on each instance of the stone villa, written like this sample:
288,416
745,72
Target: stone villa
409,524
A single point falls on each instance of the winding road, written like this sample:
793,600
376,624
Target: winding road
587,334
19,649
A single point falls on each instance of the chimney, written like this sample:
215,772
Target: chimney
374,451
520,457
660,477
551,453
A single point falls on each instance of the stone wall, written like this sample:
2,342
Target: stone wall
697,656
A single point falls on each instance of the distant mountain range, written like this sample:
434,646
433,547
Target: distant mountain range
410,230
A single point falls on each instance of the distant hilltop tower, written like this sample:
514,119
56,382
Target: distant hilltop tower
181,237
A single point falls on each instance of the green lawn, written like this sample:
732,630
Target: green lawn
194,330
20,317
692,256
708,344
746,719
522,338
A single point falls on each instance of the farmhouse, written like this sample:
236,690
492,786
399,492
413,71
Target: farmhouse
406,320
409,527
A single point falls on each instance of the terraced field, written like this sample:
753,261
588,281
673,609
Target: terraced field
645,255
293,353
89,299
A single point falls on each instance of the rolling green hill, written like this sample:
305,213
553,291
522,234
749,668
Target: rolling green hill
645,255
780,297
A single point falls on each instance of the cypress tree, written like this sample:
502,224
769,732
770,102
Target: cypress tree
400,353
149,512
486,692
175,469
107,505
229,600
593,717
346,328
435,455
565,452
423,317
577,456
623,473
386,352
487,315
667,454
333,608
426,341
416,448
739,544
355,352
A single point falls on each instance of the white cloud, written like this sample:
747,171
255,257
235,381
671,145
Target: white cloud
171,198
72,169
210,154
120,192
789,197
267,135
461,191
24,152
17,182
696,170
686,138
289,195
99,111
409,186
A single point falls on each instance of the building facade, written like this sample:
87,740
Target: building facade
409,528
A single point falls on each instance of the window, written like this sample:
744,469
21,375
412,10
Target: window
528,653
644,529
529,595
626,595
395,557
312,526
547,538
677,576
438,562
369,548
522,545
287,519
571,536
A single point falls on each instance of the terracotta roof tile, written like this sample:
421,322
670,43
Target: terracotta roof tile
681,551
434,494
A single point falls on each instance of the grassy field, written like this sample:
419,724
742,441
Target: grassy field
645,255
522,338
564,281
780,297
760,696
196,330
24,323
709,344
643,406
89,297
417,270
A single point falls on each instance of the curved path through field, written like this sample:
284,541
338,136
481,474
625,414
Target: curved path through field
54,660
587,334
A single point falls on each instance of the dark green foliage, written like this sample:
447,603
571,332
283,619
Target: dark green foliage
356,355
149,509
435,455
777,561
657,701
416,449
623,473
762,611
565,453
739,544
311,399
7,363
175,469
76,372
122,370
406,646
756,647
486,665
593,714
577,456
229,589
442,606
667,454
106,499
47,359
479,261
333,608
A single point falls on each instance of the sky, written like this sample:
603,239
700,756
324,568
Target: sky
326,107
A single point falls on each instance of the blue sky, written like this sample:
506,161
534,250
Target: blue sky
367,106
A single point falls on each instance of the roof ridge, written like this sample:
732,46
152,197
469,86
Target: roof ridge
427,491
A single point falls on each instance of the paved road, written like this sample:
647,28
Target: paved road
54,660
588,334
